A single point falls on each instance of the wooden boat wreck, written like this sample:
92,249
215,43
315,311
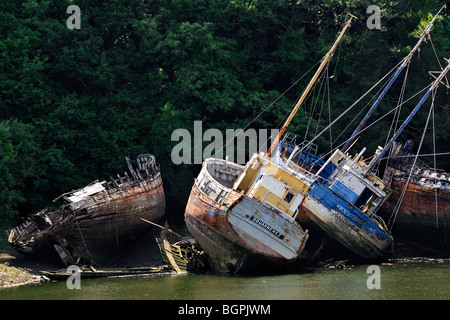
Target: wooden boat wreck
97,222
182,254
93,273
244,216
419,207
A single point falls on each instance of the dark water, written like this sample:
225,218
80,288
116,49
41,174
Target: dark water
406,279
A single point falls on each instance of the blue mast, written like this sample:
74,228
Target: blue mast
405,123
406,60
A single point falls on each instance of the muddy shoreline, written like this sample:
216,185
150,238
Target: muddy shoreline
17,269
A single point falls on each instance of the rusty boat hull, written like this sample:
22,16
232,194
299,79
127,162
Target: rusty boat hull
240,234
422,219
99,222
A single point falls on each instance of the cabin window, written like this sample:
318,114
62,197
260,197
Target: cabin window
222,195
363,198
206,188
289,196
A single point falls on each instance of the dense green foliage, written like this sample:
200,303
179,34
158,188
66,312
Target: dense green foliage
74,103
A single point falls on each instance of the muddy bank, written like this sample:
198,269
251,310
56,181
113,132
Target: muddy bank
17,269
12,276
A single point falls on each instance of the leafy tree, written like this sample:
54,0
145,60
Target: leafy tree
17,167
74,103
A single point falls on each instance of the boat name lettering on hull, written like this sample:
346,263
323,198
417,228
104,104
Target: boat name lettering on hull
342,209
266,226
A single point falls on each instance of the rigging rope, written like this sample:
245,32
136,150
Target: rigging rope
271,105
351,107
327,84
329,112
359,113
82,238
422,155
375,122
353,119
314,103
434,165
437,58
400,200
395,119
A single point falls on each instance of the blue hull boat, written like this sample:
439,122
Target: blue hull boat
341,201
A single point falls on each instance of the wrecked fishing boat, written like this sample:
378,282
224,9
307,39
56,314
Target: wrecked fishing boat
342,200
419,207
340,207
182,254
354,181
244,216
345,194
345,204
97,222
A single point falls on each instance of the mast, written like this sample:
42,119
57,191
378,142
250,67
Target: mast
405,123
406,60
325,60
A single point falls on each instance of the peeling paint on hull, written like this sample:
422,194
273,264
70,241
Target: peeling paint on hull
239,231
356,232
96,228
423,218
417,222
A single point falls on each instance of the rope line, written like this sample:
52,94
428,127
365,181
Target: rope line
400,200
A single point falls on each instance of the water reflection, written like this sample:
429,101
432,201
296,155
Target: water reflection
410,280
